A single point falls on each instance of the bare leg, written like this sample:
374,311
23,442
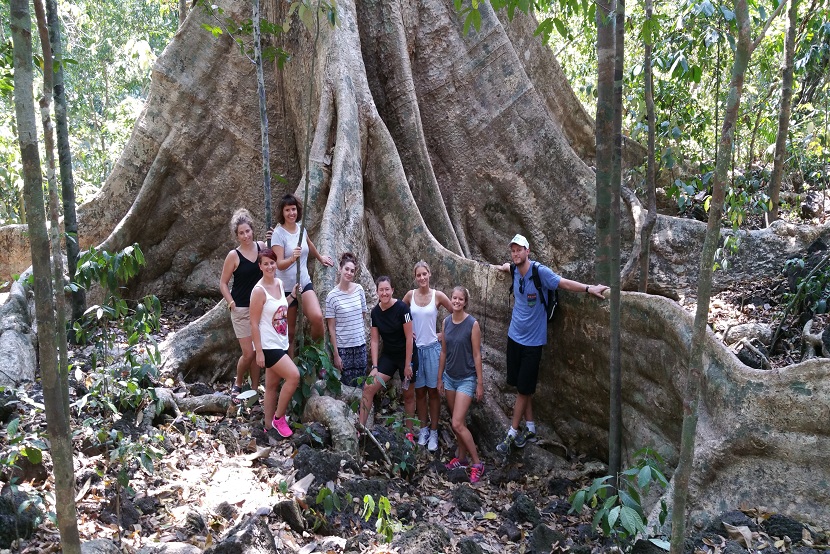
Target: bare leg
292,329
421,405
459,425
409,406
434,408
460,450
285,369
521,408
370,388
247,362
311,309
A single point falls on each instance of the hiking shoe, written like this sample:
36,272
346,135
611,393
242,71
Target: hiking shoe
282,427
505,445
456,463
410,437
433,440
235,391
423,436
525,437
476,471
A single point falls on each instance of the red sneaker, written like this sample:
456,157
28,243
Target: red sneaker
476,471
282,427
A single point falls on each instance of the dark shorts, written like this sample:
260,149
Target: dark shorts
523,366
354,364
389,363
309,286
272,356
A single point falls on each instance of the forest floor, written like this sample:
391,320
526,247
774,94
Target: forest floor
216,470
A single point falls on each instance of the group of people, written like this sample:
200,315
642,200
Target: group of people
262,300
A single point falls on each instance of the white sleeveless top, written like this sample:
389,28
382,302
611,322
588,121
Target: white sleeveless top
273,323
423,321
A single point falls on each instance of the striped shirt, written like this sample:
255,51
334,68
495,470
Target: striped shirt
347,310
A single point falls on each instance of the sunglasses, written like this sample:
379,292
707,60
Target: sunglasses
521,285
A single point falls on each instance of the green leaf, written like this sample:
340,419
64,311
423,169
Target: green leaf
473,18
560,27
577,501
612,516
644,477
32,453
630,520
728,14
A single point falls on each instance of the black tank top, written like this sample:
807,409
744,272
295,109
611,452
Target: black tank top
246,275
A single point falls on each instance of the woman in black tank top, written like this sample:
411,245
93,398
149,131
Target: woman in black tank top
241,264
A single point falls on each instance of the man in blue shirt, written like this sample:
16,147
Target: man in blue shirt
528,334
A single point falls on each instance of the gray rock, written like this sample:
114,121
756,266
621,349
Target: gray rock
736,518
13,522
778,525
469,546
100,546
509,531
646,547
251,536
374,487
557,507
538,461
17,350
324,465
356,544
466,499
289,512
458,475
759,331
170,548
543,538
424,538
524,510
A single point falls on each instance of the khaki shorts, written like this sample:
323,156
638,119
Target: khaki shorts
241,322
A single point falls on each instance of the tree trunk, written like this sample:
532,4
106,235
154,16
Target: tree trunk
691,398
56,417
263,117
783,113
400,92
615,373
70,221
651,180
606,56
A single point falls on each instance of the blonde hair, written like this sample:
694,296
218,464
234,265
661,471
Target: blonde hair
239,217
459,288
422,263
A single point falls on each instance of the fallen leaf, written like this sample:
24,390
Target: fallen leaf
741,534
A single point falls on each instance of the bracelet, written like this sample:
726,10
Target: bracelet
231,305
586,288
374,366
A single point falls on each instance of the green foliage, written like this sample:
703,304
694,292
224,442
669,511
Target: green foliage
813,289
387,524
19,445
619,514
314,363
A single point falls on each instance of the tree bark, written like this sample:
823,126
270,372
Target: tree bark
70,220
783,113
651,180
263,117
606,56
57,422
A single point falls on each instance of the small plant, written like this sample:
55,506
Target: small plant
314,364
620,513
387,524
30,447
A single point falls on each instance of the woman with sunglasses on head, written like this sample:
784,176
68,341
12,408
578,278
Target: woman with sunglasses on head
345,311
460,377
391,322
269,329
241,265
285,242
423,304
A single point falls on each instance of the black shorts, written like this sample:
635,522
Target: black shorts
523,366
389,363
309,286
272,356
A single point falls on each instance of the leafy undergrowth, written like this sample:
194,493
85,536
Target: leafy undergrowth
203,474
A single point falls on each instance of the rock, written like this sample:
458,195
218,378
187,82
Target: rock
758,331
358,543
251,536
502,475
509,531
169,548
200,389
734,547
751,358
410,512
812,206
13,522
458,475
146,504
324,465
226,511
778,525
15,254
469,546
559,486
289,511
17,350
805,550
542,538
374,487
538,461
194,523
100,546
557,507
736,518
646,547
314,435
8,406
424,538
466,499
26,471
524,510
397,447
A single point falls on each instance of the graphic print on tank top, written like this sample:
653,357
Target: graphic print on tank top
280,321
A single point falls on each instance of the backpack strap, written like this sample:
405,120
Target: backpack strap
512,276
537,282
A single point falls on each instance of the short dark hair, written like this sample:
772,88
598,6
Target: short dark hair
288,200
346,258
266,253
383,278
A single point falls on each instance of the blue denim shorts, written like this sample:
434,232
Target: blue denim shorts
467,385
428,358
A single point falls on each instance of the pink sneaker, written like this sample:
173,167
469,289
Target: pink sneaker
476,471
282,427
456,462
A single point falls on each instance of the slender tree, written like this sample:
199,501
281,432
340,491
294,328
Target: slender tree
651,171
70,221
744,46
615,373
263,116
57,423
783,112
605,133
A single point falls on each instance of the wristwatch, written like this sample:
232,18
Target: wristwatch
587,287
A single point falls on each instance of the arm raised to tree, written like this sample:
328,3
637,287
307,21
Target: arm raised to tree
576,286
325,260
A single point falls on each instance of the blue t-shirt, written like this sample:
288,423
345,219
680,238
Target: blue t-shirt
529,325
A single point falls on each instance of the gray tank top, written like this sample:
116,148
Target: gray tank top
459,362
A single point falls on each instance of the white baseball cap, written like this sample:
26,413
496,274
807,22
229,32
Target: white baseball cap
521,241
